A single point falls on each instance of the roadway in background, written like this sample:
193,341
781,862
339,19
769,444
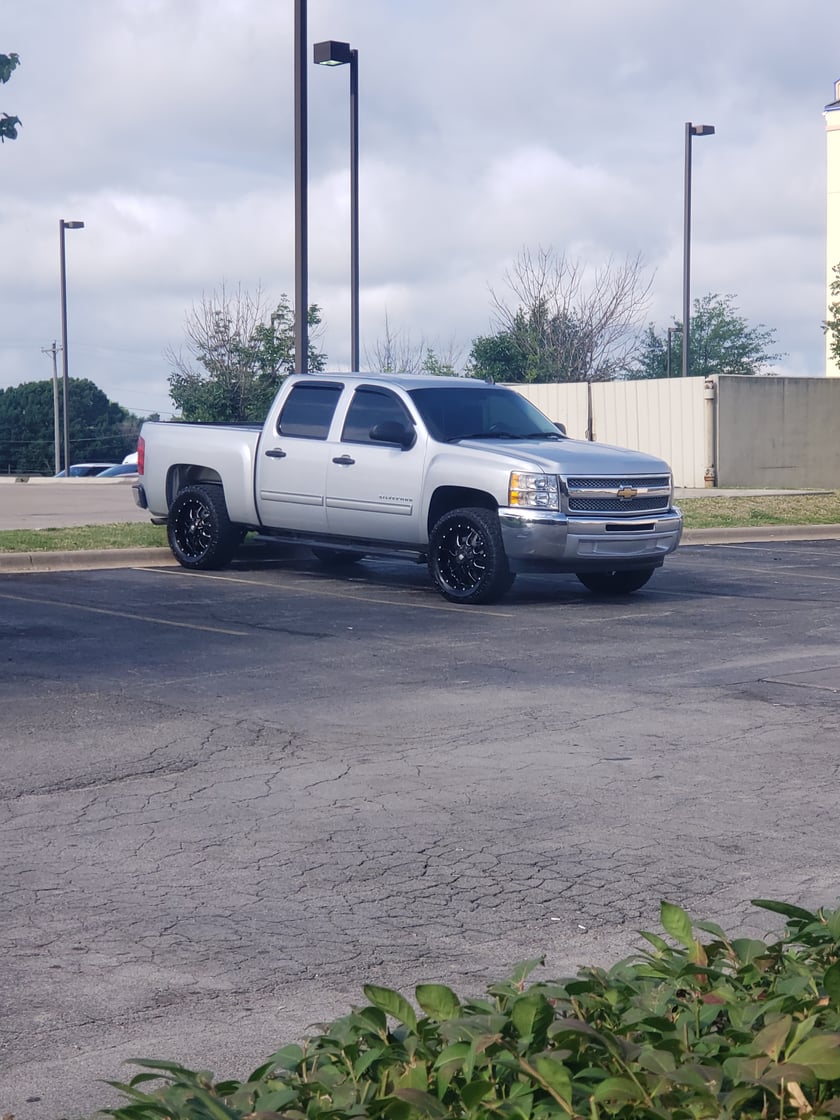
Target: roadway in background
46,503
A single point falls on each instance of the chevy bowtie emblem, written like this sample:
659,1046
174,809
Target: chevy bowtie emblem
627,492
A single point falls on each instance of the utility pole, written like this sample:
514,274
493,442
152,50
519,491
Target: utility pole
53,350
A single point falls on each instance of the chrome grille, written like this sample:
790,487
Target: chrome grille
616,505
599,496
614,482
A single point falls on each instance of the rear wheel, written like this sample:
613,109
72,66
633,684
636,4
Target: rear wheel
467,557
615,583
200,533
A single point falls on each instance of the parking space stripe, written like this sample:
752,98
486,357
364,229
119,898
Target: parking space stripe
125,614
323,589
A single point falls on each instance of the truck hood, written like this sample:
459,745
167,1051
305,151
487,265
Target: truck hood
571,456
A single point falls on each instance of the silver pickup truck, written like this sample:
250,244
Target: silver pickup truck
466,476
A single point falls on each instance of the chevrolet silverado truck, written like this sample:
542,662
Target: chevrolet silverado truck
466,476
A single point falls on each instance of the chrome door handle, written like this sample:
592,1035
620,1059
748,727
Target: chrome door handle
275,453
344,461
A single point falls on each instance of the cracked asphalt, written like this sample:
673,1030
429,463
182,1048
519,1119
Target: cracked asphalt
228,800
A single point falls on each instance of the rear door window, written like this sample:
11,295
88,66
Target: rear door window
309,410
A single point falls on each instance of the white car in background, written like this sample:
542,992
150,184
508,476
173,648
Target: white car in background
85,470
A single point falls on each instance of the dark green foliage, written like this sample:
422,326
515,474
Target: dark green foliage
721,340
100,430
832,325
8,124
714,1027
496,357
241,354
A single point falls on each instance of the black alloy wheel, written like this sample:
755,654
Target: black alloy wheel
467,559
200,533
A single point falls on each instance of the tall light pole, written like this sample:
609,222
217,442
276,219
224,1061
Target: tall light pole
691,130
331,53
62,226
301,195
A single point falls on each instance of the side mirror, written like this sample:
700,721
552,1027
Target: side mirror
390,431
560,426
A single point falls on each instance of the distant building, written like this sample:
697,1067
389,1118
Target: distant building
832,232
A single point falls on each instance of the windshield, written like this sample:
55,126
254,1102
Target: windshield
484,412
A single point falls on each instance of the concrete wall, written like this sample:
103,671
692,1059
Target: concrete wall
763,432
778,432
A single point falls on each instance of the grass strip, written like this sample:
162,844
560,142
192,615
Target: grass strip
770,509
77,538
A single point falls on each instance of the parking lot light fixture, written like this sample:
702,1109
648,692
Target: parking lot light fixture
691,130
333,53
62,226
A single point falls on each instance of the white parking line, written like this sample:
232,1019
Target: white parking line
125,614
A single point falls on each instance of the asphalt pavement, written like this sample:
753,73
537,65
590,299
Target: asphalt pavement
229,799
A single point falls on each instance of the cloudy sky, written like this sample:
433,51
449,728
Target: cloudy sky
486,126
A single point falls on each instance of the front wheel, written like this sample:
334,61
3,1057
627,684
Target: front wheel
615,583
467,557
199,531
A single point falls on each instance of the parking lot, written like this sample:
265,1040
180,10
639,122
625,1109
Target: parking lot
227,800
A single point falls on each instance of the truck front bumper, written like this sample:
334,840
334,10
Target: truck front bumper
556,542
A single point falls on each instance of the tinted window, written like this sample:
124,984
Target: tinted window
368,408
457,413
308,412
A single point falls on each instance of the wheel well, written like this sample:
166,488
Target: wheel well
186,474
457,497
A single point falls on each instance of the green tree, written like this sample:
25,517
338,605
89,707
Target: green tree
722,342
832,325
241,353
497,357
562,325
8,124
100,430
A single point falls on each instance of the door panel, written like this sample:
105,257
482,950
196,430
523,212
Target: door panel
291,464
374,489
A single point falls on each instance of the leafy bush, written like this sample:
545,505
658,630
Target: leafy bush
716,1028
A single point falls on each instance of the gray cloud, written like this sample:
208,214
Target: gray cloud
167,126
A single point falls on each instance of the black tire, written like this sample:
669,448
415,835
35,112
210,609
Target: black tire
467,558
615,583
336,557
200,533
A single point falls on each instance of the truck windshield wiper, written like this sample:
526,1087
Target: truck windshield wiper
505,435
484,435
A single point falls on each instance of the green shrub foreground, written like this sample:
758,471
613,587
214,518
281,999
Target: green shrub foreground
704,1028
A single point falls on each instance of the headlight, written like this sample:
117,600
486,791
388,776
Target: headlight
536,491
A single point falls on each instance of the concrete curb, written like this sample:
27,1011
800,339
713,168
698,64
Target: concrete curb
17,562
745,535
85,560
